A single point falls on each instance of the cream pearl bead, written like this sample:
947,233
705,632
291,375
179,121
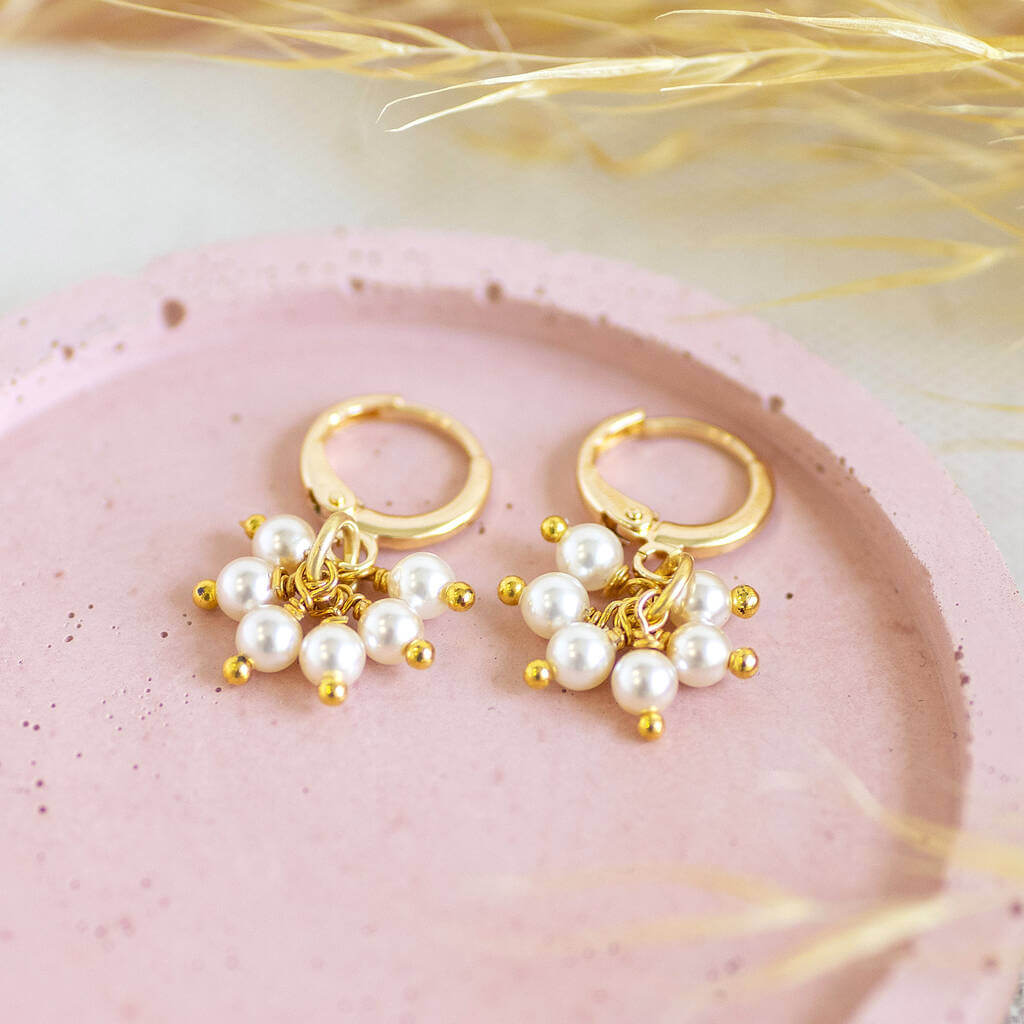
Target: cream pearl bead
332,647
591,553
419,580
244,584
387,628
269,637
644,680
552,601
581,656
283,540
707,599
700,653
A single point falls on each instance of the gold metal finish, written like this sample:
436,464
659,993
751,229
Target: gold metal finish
538,674
325,585
618,581
204,594
510,589
644,603
637,613
330,494
251,524
635,521
332,690
743,662
419,654
459,596
341,526
745,600
553,529
651,725
237,670
673,591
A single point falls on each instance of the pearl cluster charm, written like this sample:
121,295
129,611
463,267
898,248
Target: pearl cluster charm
666,621
293,573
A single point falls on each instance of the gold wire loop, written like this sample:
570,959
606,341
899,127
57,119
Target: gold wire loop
673,591
340,525
636,522
330,494
670,561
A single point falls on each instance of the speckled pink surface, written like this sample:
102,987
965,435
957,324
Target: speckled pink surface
452,846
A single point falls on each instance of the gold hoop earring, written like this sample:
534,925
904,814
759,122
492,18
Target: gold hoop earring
319,575
664,617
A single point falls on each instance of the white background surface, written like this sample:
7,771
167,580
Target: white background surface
109,161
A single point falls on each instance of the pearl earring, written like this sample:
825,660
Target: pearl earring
310,577
664,618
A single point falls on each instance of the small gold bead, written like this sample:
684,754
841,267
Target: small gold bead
252,523
510,589
237,670
745,600
419,654
460,597
294,609
743,662
650,725
538,674
204,594
332,689
553,529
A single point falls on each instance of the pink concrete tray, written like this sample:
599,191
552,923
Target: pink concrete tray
451,846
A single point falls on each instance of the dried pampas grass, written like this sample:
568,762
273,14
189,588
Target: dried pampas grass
971,882
927,92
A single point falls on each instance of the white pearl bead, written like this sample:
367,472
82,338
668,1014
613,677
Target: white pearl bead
644,680
419,580
707,599
283,540
332,647
387,628
552,601
244,584
591,553
700,653
269,637
581,656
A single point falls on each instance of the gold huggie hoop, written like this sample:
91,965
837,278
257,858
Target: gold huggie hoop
634,521
330,494
660,625
296,573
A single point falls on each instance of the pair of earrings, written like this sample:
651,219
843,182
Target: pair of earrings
661,623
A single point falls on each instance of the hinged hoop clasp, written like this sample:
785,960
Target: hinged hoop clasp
634,521
330,494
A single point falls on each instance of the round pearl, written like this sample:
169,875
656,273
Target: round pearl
700,653
644,680
707,599
419,580
283,540
269,637
581,656
552,601
591,553
332,647
387,628
244,584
